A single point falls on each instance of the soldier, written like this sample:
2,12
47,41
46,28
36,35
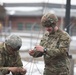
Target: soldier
54,46
10,60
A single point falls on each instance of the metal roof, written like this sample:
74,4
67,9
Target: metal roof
46,7
50,5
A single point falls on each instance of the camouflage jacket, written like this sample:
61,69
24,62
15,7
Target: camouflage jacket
56,57
7,60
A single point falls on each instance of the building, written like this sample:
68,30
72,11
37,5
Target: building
25,20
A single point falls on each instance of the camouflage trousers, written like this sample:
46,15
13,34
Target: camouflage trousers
47,72
1,73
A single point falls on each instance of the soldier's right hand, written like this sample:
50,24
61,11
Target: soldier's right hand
31,52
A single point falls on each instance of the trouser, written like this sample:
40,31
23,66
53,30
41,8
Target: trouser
47,72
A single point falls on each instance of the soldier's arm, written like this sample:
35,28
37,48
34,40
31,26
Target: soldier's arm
37,54
42,43
18,63
3,70
16,66
61,49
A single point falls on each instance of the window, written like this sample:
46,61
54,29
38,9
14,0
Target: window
28,26
37,27
32,26
20,26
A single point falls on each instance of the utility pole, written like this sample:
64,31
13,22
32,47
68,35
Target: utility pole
67,15
67,26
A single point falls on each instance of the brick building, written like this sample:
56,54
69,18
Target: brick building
27,20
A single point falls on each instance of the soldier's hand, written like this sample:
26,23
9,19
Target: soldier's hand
31,52
17,70
39,48
13,69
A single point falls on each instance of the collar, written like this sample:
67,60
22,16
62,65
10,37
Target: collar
6,51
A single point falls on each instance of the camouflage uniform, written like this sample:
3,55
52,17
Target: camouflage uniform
56,57
7,60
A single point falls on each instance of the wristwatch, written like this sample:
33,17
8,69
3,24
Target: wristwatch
45,50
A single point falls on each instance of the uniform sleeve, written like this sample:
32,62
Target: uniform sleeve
37,54
1,61
18,62
62,47
42,42
3,69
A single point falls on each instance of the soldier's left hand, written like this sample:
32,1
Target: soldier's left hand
39,48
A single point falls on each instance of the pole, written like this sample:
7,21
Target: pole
67,15
67,26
